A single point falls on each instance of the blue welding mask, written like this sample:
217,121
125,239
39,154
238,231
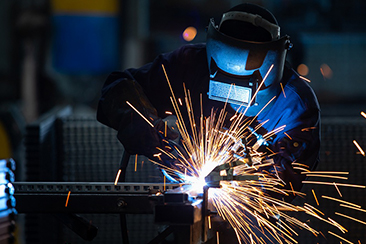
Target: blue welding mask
238,66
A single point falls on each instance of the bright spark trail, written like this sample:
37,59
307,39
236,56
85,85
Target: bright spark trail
359,148
247,205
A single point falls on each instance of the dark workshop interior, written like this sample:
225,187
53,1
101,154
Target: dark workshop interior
55,56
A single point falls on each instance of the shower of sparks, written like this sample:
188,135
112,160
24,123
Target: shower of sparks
232,118
136,162
359,148
316,199
338,200
117,177
305,79
341,238
329,176
355,208
164,182
247,205
287,135
292,189
67,199
165,127
138,112
237,235
283,91
351,218
363,114
308,128
339,192
327,172
331,183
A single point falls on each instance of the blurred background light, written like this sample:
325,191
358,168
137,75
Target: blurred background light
326,71
189,33
303,70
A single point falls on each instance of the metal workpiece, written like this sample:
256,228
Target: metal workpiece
185,216
178,210
85,197
91,187
215,176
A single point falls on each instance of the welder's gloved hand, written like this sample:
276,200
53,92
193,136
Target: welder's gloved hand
174,159
139,137
134,132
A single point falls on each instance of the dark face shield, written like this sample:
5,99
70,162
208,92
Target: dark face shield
238,67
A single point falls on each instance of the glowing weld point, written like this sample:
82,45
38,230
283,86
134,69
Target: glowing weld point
67,199
117,177
359,148
129,104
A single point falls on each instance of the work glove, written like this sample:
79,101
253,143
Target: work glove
173,163
138,137
126,108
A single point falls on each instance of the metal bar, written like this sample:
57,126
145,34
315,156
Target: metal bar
84,203
91,187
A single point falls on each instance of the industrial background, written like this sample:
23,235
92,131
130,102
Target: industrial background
56,54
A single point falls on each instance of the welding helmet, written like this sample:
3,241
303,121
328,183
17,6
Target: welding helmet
240,52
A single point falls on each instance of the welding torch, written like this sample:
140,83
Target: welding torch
241,154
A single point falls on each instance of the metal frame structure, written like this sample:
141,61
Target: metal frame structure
65,200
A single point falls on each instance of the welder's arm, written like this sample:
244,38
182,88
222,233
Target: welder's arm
147,89
136,135
298,149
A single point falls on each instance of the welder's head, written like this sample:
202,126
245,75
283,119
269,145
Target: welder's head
240,52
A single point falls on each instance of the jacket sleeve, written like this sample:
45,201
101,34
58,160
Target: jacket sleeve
296,149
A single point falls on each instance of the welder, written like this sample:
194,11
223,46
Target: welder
245,48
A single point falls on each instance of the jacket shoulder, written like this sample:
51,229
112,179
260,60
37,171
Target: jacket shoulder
301,88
